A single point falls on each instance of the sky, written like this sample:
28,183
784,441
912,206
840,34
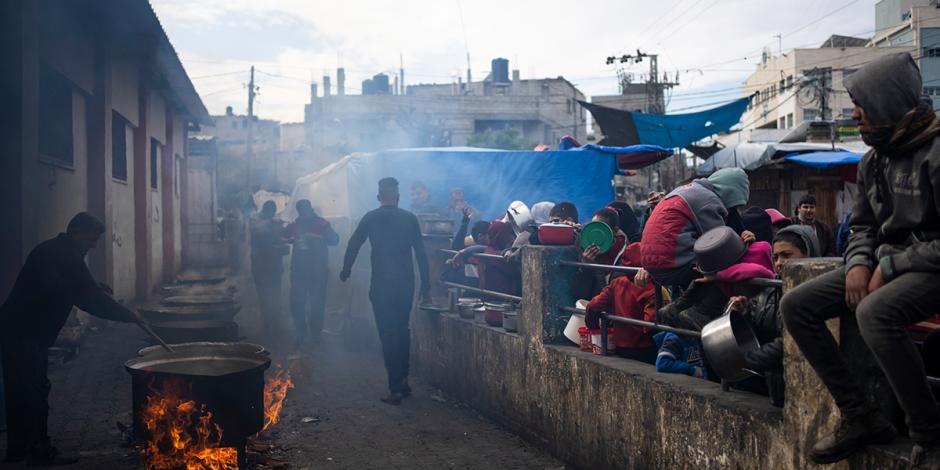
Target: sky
713,45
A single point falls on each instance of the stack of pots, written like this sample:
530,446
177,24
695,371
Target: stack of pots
494,312
191,318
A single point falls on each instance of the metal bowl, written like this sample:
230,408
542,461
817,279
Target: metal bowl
725,340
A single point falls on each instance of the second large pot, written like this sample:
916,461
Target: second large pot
193,331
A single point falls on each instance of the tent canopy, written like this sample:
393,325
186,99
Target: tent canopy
632,157
665,130
753,155
490,179
824,159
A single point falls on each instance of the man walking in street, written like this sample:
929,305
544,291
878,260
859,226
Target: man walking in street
806,215
267,267
52,281
892,265
309,270
393,234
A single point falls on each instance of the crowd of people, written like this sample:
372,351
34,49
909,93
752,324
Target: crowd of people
704,246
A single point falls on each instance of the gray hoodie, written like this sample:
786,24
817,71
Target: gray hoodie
895,222
807,234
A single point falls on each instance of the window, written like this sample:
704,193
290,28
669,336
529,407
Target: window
932,90
811,114
118,147
931,52
55,116
782,124
847,113
790,121
154,167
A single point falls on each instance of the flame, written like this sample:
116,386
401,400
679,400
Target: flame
182,432
275,391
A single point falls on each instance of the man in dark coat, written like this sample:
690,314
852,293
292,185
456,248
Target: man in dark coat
52,281
892,265
267,266
394,234
806,215
312,236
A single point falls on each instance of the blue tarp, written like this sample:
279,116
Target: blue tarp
680,130
824,159
490,179
632,157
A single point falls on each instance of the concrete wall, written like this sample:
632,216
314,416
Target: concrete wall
599,413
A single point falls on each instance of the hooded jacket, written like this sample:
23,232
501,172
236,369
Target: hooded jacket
808,235
895,222
732,186
674,225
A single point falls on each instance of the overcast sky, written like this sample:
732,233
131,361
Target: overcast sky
712,44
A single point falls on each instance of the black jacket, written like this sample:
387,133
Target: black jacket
53,279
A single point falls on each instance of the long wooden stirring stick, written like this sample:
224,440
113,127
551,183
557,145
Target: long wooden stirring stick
153,335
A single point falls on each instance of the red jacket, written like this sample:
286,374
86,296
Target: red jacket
623,298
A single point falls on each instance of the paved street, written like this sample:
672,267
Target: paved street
332,418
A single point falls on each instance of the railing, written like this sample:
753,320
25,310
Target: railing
490,293
607,319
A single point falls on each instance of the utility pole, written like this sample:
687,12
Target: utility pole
249,154
779,43
655,88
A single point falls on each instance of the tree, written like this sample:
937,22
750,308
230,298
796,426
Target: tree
507,138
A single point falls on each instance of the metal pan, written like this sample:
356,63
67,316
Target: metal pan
725,340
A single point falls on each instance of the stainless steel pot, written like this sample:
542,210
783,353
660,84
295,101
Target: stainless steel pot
725,340
511,321
206,348
467,305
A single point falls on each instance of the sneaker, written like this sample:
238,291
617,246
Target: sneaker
926,455
851,436
50,457
392,398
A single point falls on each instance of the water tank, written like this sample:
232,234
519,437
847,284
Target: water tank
367,87
500,70
380,84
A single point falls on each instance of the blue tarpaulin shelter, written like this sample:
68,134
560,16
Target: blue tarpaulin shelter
490,179
665,130
824,159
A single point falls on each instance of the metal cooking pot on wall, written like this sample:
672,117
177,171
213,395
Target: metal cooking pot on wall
725,340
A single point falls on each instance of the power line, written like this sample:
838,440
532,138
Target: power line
218,75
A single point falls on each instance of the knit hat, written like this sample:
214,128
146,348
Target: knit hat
758,221
732,186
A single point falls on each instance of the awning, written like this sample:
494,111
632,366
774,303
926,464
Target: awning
753,155
623,128
824,159
632,157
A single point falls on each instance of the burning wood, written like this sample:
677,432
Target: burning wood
182,434
275,391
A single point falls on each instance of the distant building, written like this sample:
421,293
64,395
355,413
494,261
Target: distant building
807,84
436,115
914,24
99,123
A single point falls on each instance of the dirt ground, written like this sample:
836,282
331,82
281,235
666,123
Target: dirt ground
332,418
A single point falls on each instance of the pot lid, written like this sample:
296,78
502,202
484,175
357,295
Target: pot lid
597,233
205,347
197,365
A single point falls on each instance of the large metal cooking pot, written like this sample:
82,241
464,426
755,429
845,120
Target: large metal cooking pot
165,313
205,347
230,385
193,277
198,300
193,331
725,340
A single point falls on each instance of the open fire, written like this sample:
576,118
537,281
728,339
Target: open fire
275,391
183,434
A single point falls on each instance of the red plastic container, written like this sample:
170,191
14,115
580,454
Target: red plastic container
585,339
556,234
596,341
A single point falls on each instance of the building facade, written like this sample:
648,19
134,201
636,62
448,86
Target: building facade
96,112
441,115
806,84
914,24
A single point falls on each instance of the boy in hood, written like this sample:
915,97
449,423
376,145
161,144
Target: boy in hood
892,264
677,222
